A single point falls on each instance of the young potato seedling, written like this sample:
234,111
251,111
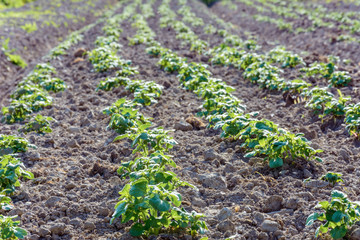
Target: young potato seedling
332,178
339,215
38,124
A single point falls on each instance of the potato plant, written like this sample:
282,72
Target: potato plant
11,170
339,79
324,103
153,189
285,58
71,40
16,112
9,228
332,177
295,86
339,214
32,93
125,116
38,124
108,41
105,58
328,71
112,82
11,144
352,119
13,58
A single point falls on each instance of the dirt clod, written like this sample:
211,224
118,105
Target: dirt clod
80,52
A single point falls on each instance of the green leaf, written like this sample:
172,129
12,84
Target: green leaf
137,230
323,229
278,145
250,154
338,194
175,198
144,136
263,126
337,216
338,232
159,204
139,188
121,137
120,209
20,233
323,204
277,162
311,219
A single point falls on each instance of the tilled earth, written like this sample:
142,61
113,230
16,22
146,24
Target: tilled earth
33,46
76,184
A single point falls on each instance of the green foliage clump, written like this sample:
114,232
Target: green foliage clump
32,94
38,124
332,178
339,214
352,119
11,144
13,58
11,170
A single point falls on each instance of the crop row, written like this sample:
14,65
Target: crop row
340,213
317,15
11,171
150,199
259,69
31,95
224,111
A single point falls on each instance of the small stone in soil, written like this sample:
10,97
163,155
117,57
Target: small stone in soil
209,155
226,226
273,203
89,226
52,201
183,126
316,184
79,52
44,231
225,213
58,229
213,180
269,226
73,144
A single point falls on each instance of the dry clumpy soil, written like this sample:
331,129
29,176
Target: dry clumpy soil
76,185
33,46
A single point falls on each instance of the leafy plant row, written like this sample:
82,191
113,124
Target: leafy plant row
225,111
12,170
150,199
276,55
258,69
77,36
105,57
13,58
318,15
32,94
340,213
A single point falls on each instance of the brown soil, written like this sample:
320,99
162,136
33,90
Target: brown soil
76,185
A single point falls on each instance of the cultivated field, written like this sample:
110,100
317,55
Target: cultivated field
171,119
